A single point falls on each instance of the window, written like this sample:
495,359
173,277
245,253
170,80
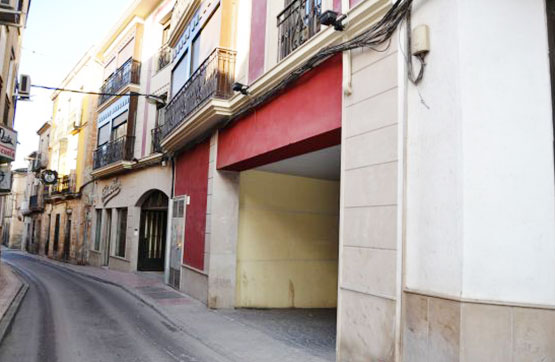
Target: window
119,126
98,229
103,134
121,232
166,33
180,75
195,54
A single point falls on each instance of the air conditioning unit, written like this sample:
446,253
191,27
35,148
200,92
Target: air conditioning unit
24,90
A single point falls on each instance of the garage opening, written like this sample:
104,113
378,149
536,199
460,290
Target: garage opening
288,242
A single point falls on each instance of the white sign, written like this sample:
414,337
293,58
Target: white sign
5,178
8,142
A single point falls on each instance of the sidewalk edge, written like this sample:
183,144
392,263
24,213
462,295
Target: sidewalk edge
8,317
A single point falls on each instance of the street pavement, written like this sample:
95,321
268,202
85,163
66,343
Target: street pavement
105,315
66,317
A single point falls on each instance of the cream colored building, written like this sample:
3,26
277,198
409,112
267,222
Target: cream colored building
132,178
13,225
65,223
12,24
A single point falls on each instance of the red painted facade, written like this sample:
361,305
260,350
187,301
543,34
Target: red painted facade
305,118
191,178
258,39
337,5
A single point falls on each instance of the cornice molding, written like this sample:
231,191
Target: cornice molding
360,18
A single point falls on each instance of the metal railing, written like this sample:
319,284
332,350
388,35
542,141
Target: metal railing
163,58
65,185
298,22
128,73
120,149
213,79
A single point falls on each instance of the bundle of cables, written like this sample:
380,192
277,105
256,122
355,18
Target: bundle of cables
378,34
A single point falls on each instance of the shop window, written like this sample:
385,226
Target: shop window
98,229
121,232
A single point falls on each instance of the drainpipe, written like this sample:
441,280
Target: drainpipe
402,75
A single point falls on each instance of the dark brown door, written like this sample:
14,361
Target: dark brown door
152,238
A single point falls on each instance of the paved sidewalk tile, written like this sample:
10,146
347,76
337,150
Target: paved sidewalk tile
9,287
241,335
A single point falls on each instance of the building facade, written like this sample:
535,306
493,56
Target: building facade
132,178
409,208
261,159
13,17
65,150
13,225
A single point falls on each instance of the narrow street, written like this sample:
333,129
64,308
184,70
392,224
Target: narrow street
66,317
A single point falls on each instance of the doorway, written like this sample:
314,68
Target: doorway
177,238
108,238
67,239
56,236
152,237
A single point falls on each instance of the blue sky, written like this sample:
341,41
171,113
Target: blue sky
58,33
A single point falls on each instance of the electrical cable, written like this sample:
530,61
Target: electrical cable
378,34
130,94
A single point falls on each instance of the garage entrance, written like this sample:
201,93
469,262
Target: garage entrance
288,238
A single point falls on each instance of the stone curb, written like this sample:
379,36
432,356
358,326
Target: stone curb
8,317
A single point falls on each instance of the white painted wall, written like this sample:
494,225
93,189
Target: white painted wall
480,192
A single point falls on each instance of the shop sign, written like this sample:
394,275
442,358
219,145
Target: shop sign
110,191
5,179
8,141
49,177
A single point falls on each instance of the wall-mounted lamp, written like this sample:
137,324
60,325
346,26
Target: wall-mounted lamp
333,18
240,87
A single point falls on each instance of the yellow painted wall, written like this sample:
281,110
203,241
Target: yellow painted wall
287,248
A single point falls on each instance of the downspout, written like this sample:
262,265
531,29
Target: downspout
402,121
169,225
346,85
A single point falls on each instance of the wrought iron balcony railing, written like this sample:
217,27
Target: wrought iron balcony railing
66,185
120,149
298,22
213,79
128,73
163,58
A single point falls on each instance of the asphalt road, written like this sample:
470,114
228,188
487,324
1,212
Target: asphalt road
66,317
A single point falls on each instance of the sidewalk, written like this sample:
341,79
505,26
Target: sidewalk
236,334
12,291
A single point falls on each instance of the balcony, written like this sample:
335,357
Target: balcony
128,73
163,58
212,80
36,203
297,23
120,149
